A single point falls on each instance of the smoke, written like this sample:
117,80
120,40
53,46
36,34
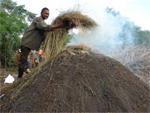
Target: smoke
112,35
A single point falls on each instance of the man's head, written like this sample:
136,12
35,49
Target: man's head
45,13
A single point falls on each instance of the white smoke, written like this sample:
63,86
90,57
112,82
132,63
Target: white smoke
106,38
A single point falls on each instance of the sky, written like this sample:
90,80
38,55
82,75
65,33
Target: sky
137,11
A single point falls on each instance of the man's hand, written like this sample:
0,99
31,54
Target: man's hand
57,26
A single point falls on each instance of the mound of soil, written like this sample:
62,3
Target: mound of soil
79,81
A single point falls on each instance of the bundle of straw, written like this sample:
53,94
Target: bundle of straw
54,43
55,40
76,18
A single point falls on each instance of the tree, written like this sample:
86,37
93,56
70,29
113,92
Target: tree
13,21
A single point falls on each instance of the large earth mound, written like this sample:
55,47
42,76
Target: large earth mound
78,81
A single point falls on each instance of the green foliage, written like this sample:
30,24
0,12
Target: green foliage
67,39
12,24
142,37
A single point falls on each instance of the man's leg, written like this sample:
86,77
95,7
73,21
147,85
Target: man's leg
23,65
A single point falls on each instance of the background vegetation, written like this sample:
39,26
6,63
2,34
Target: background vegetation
13,21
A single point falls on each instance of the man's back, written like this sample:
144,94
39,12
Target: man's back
34,35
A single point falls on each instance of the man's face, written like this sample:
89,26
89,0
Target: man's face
45,14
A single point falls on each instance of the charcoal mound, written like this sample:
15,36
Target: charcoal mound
79,81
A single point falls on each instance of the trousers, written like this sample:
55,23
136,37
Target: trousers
23,62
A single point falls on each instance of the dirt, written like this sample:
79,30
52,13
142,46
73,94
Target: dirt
78,81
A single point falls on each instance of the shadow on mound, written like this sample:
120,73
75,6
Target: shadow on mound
79,81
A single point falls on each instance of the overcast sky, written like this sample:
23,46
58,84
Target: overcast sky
137,11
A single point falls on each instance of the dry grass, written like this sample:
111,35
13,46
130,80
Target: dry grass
54,43
55,40
137,59
77,18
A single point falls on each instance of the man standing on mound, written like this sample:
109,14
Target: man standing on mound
32,39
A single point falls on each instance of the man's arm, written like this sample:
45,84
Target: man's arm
40,24
57,26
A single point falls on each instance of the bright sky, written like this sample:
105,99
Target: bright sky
138,11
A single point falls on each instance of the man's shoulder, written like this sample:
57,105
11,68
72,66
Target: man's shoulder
38,18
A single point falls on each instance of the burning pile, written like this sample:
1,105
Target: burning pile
78,80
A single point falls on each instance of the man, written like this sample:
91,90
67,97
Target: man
32,39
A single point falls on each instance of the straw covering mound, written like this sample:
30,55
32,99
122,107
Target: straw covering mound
78,80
